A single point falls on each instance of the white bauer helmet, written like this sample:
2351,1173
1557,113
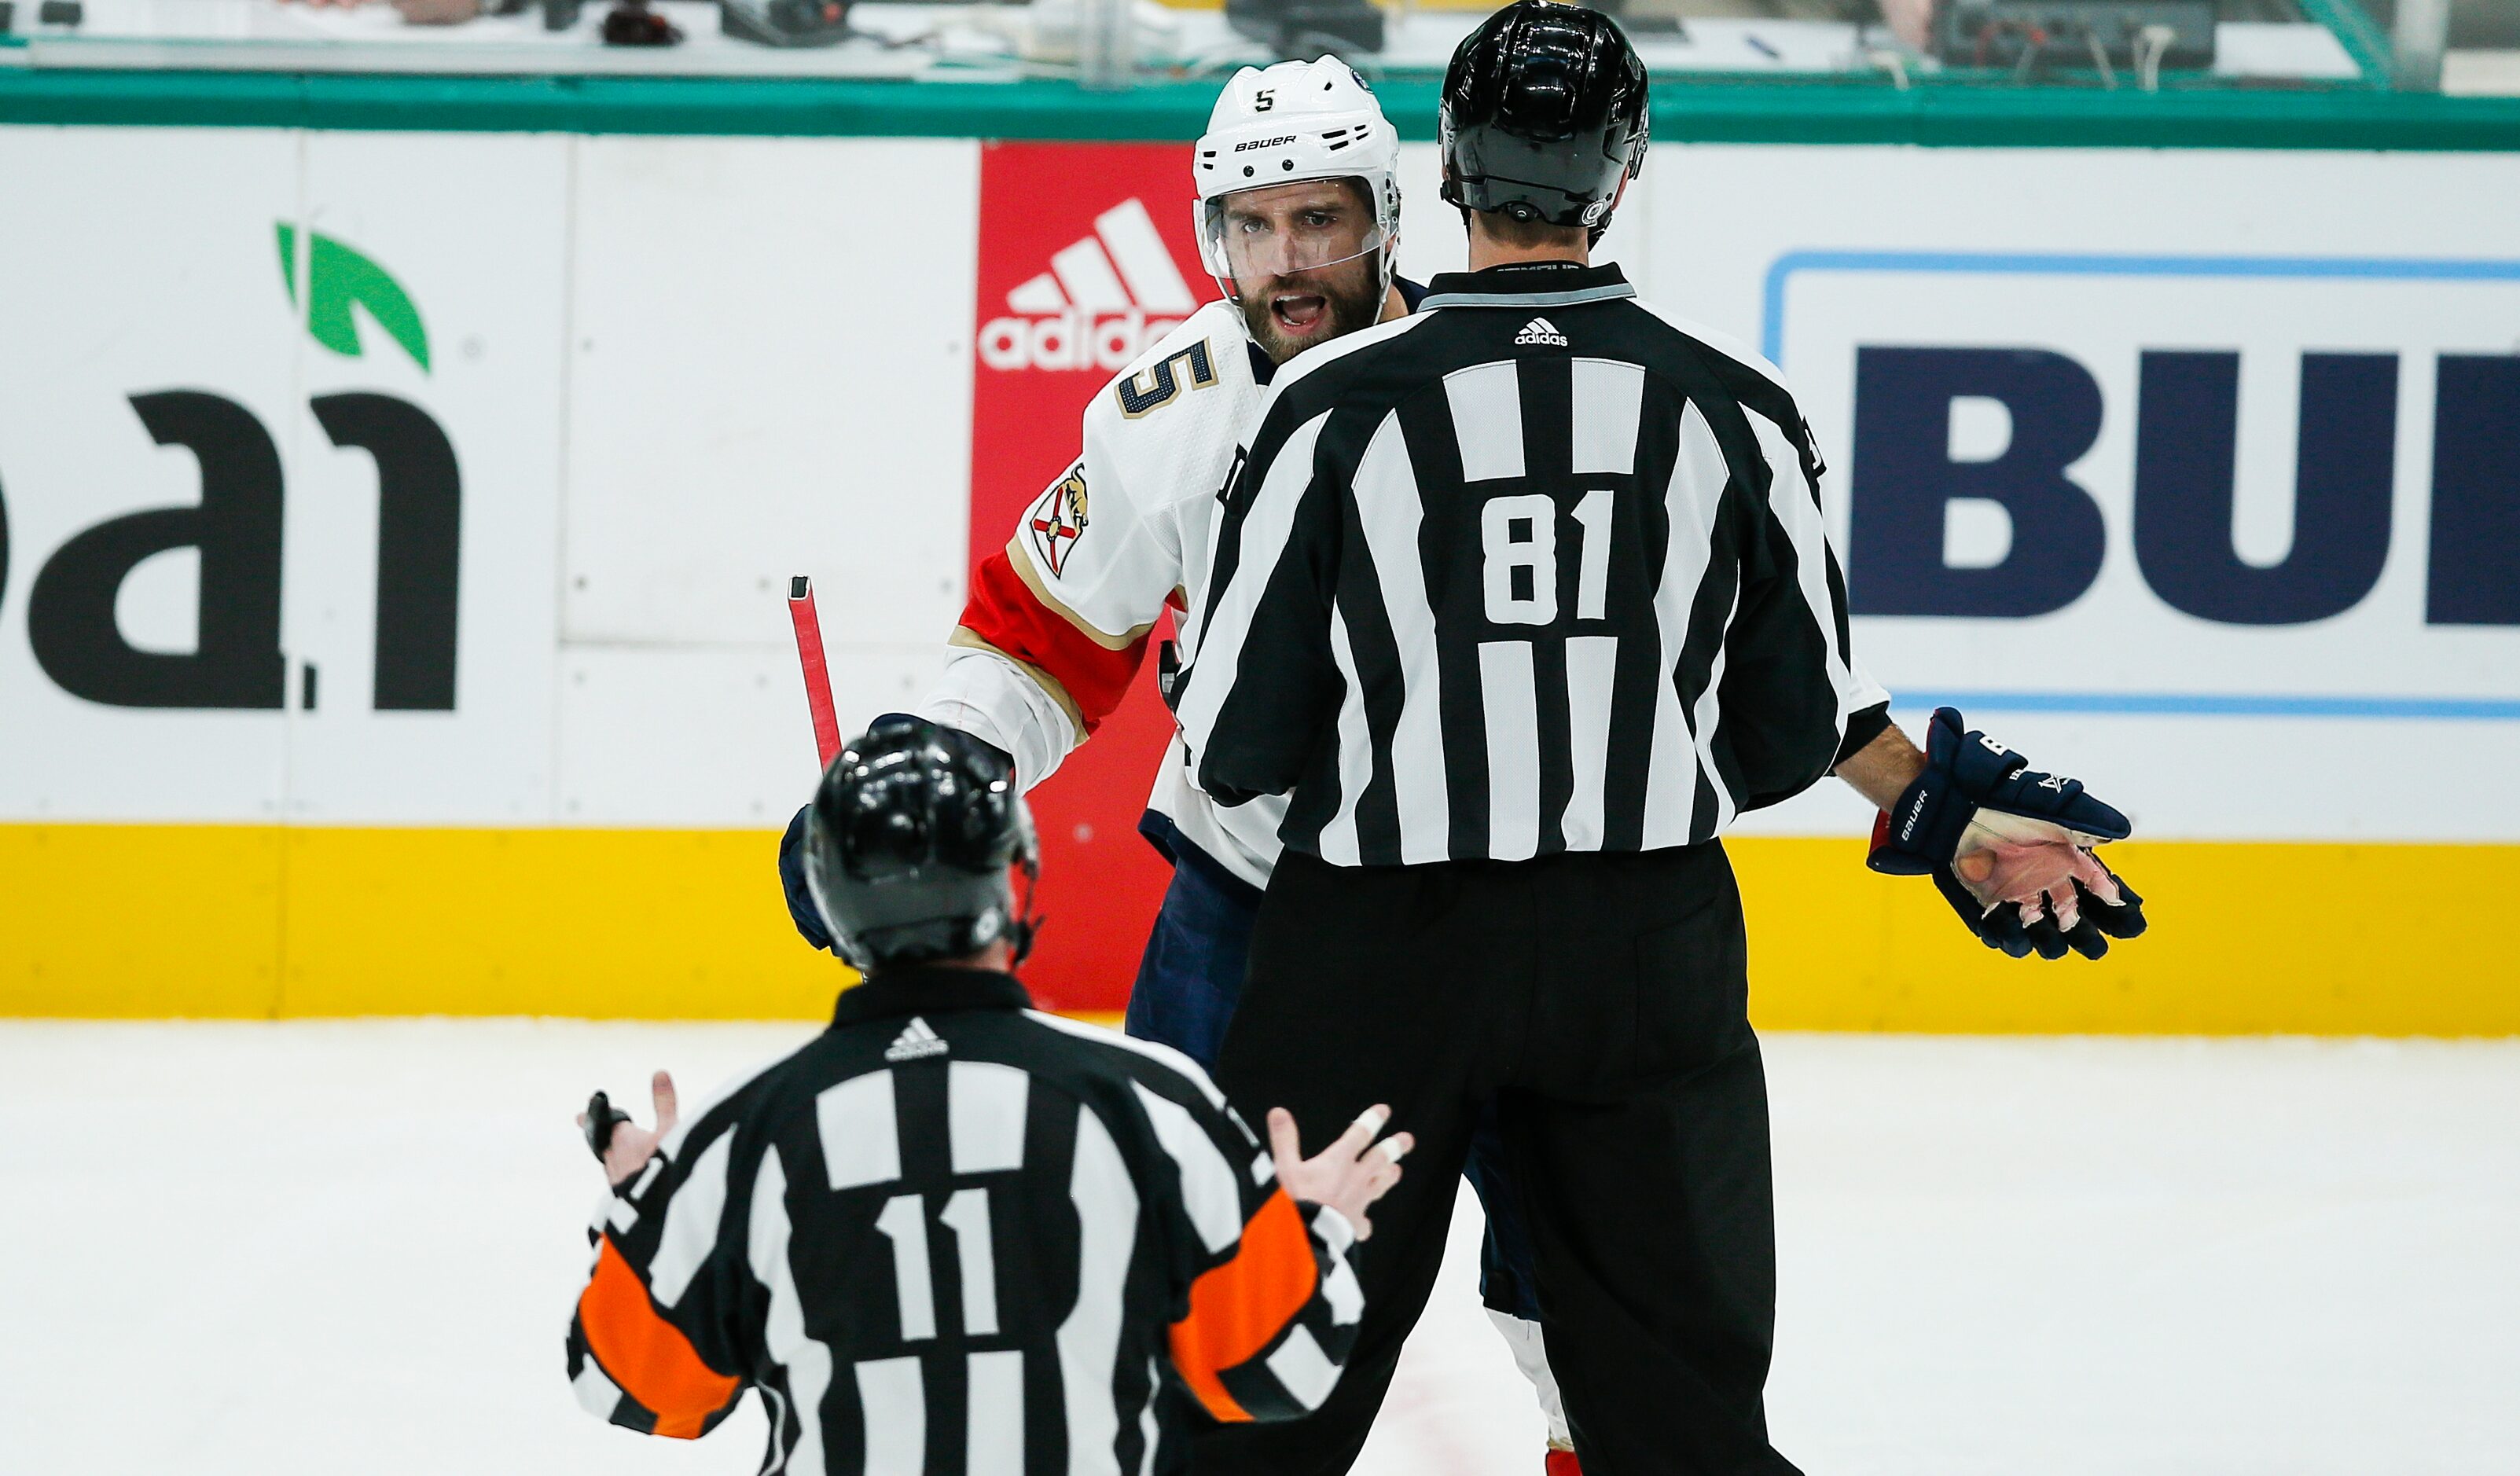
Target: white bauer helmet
1292,122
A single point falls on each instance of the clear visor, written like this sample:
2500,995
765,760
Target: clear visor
1256,236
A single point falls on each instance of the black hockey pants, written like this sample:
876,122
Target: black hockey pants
1601,1001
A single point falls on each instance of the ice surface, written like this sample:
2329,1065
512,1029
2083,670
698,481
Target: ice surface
317,1247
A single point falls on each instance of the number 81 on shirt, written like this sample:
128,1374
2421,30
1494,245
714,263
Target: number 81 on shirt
1519,573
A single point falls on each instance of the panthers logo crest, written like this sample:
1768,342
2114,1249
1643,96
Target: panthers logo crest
1059,519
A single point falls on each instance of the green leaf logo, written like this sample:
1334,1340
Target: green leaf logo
339,279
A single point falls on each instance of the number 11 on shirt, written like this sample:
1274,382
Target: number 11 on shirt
904,1223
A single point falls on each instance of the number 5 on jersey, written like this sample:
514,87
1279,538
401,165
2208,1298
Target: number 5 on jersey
1519,537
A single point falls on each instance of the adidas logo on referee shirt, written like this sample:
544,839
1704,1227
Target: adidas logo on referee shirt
1541,331
916,1040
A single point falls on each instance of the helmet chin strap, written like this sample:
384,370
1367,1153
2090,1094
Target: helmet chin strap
1027,926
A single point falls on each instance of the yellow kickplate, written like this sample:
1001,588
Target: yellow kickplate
265,922
270,922
2247,938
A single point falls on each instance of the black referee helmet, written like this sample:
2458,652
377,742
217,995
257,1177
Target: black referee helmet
907,849
1544,115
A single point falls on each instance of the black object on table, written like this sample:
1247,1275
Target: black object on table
633,24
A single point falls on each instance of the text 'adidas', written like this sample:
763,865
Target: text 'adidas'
916,1040
1104,298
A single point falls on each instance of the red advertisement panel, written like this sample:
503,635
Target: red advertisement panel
1086,256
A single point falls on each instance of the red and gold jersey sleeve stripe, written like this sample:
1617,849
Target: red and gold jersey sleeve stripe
647,1356
1010,612
1238,1308
1019,563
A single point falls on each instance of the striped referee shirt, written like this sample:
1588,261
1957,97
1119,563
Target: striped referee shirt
1538,568
951,1236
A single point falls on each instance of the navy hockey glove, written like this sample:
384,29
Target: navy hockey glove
1975,790
2009,847
791,881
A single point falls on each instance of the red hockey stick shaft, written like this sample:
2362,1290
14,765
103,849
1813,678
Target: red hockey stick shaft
818,674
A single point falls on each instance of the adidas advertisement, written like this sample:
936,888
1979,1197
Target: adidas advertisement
1104,298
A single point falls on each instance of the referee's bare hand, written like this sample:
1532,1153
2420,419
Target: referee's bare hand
633,1146
1350,1173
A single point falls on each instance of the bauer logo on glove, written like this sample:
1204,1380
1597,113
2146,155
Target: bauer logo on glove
1975,792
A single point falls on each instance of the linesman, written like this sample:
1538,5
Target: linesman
1521,600
951,1236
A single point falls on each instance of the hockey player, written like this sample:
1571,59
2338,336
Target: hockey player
1298,215
949,1223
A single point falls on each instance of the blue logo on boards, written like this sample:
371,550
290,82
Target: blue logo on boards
2186,431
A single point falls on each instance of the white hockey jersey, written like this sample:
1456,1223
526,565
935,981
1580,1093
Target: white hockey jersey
1058,621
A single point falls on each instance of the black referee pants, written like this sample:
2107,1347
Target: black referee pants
1601,1001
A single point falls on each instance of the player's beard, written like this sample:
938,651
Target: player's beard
1290,314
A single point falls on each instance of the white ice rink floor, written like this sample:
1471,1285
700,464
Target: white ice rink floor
277,1250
